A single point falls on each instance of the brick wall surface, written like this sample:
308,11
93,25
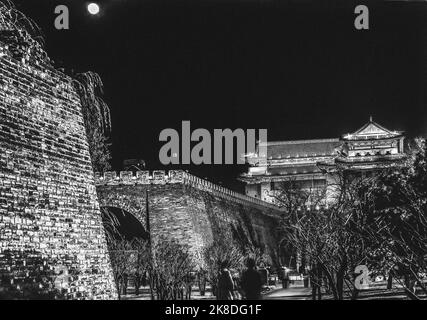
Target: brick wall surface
50,222
190,210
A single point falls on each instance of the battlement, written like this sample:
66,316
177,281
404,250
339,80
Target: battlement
159,177
21,46
25,58
45,153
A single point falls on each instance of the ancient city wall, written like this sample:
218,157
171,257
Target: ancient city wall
190,210
52,242
49,213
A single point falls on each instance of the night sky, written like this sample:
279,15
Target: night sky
298,68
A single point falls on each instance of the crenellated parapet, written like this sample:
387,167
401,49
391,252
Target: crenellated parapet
161,177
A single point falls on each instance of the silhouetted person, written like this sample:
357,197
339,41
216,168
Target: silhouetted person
316,282
144,280
251,282
137,281
189,279
285,278
225,284
201,278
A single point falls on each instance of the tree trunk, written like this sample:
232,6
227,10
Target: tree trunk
341,275
151,284
119,291
340,279
137,286
313,291
419,281
319,283
340,285
411,294
407,281
331,281
390,280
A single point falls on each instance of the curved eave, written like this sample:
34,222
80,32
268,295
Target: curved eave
398,136
274,178
371,160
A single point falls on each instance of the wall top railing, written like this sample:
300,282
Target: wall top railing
159,177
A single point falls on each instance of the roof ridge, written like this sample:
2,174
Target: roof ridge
287,142
371,122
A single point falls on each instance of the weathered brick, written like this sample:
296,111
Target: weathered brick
46,177
194,212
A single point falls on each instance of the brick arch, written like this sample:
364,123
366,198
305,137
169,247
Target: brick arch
129,203
193,212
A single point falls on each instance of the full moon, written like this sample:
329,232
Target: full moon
93,8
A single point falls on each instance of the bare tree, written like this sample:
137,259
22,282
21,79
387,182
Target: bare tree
170,270
142,262
13,19
123,260
323,230
96,114
220,254
398,222
260,257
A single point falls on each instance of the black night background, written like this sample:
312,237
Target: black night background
297,68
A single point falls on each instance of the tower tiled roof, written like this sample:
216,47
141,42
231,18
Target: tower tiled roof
372,130
302,148
306,169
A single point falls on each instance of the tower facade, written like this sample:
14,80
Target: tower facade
307,162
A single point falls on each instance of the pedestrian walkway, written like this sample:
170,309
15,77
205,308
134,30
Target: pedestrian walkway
295,293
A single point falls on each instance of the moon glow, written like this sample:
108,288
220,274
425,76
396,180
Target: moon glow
93,8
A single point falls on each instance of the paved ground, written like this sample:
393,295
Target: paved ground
295,293
145,295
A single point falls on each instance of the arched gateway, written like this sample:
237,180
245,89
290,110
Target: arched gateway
189,210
